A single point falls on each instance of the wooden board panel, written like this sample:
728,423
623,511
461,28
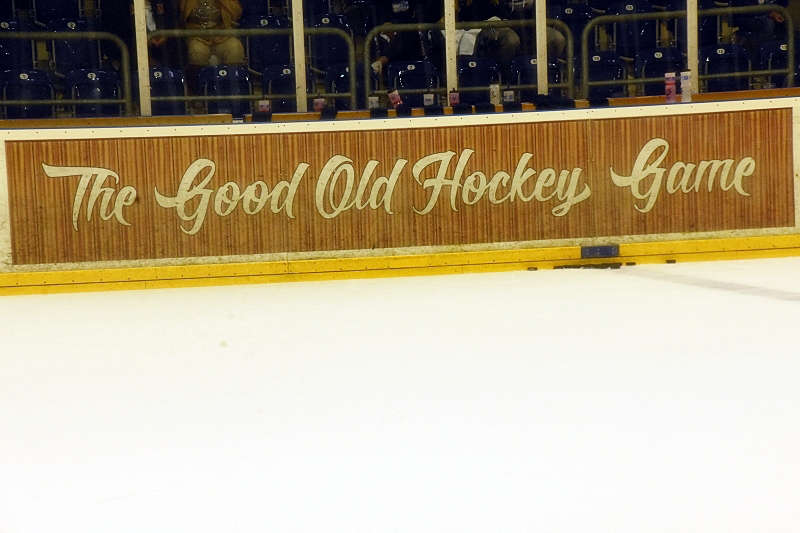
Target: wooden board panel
585,155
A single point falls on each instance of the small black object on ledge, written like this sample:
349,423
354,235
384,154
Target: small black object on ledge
462,109
261,116
403,110
378,113
512,107
329,113
434,111
485,107
600,101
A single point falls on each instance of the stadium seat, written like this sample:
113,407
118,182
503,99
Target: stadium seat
576,17
269,49
95,84
165,81
724,59
7,10
67,56
337,80
14,53
47,11
362,16
629,38
28,85
327,50
771,56
476,72
226,80
655,63
523,72
254,8
405,75
606,66
279,79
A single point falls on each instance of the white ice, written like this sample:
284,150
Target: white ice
643,400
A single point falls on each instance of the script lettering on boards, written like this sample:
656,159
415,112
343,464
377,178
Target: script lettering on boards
683,177
97,177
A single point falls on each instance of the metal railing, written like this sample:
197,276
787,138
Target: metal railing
667,15
262,32
125,62
385,28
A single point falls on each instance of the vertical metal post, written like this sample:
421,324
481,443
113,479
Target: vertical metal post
142,57
692,38
299,42
450,45
541,46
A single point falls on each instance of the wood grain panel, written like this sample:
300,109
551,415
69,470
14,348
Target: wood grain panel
41,206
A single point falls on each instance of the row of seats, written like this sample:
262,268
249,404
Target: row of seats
46,11
79,84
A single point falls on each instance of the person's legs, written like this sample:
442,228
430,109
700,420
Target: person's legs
199,52
230,51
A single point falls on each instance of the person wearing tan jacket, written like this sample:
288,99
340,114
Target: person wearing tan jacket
212,14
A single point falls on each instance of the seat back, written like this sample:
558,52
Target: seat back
95,84
47,11
523,72
80,54
655,63
724,59
630,37
774,55
28,85
476,72
606,66
269,49
227,80
166,81
406,75
327,50
15,54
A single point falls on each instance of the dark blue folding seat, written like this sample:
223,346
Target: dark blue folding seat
279,79
773,55
419,75
314,9
227,80
329,50
73,54
337,80
269,49
95,84
7,10
655,63
606,66
724,59
362,16
47,11
165,81
253,8
28,85
523,72
632,36
576,17
476,72
14,53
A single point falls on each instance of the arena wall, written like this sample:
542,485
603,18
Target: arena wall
154,206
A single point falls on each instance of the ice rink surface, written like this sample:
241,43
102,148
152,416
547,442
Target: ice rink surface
648,399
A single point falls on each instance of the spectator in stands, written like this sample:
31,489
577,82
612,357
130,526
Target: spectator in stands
409,45
212,14
207,15
499,43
